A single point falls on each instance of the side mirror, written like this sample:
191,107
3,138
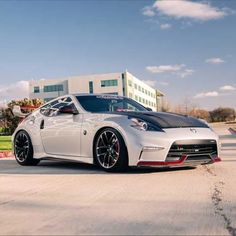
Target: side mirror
149,109
68,109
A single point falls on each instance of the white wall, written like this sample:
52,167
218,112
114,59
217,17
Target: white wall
80,84
132,90
42,83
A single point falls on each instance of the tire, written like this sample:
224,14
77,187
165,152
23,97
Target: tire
110,152
23,149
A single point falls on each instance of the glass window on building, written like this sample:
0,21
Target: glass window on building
143,100
115,93
136,98
130,83
109,83
135,86
139,88
47,99
53,88
140,99
36,89
145,91
130,95
148,93
146,102
90,86
142,90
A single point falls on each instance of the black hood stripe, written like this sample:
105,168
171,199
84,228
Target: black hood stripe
165,120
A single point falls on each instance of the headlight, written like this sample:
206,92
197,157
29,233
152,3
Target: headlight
140,124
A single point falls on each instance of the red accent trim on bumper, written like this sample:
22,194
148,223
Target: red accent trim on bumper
170,163
162,163
217,159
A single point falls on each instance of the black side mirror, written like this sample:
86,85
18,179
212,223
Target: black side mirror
68,109
149,109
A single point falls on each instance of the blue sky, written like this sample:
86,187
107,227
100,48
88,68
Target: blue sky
184,48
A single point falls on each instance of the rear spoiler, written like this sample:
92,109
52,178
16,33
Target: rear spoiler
17,110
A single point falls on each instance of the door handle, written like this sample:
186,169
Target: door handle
42,124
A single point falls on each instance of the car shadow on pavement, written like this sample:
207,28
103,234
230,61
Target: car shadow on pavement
57,167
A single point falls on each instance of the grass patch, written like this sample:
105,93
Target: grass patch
5,143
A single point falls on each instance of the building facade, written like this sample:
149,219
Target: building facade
124,84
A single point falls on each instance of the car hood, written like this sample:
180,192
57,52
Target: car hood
165,120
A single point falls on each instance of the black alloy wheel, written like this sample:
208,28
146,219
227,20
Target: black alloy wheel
110,151
23,149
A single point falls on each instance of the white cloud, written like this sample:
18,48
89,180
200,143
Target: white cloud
17,90
163,83
214,60
164,68
207,94
178,69
186,72
151,83
148,11
165,26
227,88
189,9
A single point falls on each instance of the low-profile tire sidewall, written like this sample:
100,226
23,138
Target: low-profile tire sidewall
29,160
122,162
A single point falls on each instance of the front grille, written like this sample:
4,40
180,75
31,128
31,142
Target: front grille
195,150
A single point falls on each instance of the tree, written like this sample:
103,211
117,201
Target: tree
223,114
200,114
166,107
9,121
185,107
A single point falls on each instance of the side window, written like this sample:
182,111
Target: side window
52,108
45,110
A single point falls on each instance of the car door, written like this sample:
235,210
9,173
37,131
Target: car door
60,133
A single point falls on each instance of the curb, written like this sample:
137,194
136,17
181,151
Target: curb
4,154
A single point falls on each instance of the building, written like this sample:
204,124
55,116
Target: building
124,84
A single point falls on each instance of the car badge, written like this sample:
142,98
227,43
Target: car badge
193,130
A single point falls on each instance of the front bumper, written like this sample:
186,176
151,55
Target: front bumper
190,152
183,161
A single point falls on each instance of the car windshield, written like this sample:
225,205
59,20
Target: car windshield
107,103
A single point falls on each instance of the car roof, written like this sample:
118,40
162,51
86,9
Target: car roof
95,94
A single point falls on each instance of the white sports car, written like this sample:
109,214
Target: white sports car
113,132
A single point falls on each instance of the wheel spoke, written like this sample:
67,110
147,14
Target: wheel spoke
102,140
101,147
106,138
107,149
21,147
110,140
104,158
102,154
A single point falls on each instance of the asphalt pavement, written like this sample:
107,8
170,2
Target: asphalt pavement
61,198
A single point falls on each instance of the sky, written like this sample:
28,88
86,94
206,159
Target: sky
184,48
